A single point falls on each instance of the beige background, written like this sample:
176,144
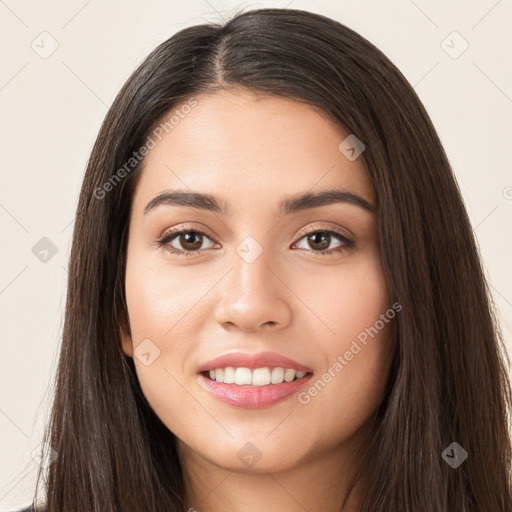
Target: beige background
52,108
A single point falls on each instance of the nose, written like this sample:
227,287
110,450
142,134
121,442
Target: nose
254,296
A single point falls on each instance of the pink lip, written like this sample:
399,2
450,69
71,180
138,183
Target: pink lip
257,360
252,397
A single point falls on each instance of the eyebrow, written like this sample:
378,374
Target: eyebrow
292,204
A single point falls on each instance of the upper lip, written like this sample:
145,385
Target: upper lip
253,360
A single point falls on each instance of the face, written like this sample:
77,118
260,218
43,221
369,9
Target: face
268,282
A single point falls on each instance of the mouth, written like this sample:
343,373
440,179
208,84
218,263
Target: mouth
253,388
253,380
263,376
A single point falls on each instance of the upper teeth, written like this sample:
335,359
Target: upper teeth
254,377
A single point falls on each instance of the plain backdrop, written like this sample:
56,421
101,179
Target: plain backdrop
63,62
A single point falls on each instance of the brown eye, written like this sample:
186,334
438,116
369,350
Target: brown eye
191,241
184,242
319,240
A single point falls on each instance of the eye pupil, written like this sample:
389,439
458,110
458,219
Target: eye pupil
185,239
324,240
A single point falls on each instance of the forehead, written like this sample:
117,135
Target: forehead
245,146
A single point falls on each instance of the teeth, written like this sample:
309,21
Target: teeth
229,375
289,375
254,377
261,377
243,376
219,374
277,375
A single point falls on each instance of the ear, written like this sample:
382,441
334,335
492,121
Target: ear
126,336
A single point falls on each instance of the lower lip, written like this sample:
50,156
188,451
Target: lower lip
252,397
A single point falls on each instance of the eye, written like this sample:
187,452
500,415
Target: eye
190,241
319,241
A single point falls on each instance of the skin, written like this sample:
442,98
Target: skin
252,151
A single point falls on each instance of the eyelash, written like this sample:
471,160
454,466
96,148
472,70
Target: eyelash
347,244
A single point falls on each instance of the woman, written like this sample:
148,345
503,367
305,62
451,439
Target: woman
275,296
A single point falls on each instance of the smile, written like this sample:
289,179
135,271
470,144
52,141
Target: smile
253,380
254,377
253,396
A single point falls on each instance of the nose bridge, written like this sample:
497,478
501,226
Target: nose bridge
251,262
252,277
253,296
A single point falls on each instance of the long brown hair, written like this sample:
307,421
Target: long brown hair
449,380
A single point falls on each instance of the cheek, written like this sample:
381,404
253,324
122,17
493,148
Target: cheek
356,307
352,386
345,299
161,302
166,319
